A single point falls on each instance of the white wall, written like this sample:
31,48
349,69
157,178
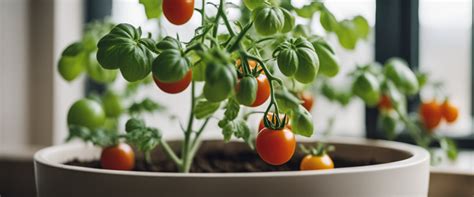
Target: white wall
33,100
14,41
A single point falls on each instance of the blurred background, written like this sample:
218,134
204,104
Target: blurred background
434,36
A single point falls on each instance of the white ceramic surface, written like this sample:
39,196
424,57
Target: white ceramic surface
407,175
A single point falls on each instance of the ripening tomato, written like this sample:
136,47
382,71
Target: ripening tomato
316,162
178,12
174,87
431,114
261,125
263,90
385,103
252,64
449,111
118,157
275,147
308,100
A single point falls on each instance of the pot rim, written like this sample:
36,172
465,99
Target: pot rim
419,155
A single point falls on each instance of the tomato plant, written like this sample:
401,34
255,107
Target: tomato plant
227,66
118,157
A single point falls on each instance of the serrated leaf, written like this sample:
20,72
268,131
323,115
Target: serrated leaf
152,8
205,108
146,105
232,109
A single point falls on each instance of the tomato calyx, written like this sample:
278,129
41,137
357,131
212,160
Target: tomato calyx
320,149
275,123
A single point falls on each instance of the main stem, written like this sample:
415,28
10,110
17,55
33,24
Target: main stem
187,158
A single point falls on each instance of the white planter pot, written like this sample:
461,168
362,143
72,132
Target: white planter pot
405,174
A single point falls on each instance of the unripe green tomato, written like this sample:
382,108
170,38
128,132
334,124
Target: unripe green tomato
269,20
69,68
289,23
87,113
252,4
308,65
367,87
72,61
112,104
171,66
246,90
220,81
287,60
99,74
327,61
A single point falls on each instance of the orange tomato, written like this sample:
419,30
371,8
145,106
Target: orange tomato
118,157
449,111
263,90
275,147
314,162
175,87
252,64
431,114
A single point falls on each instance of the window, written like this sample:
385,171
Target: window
445,52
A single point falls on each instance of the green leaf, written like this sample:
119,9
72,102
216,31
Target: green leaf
134,123
205,108
362,27
402,76
124,49
145,139
237,128
302,122
328,21
231,109
449,148
308,11
347,34
146,105
97,73
287,102
152,8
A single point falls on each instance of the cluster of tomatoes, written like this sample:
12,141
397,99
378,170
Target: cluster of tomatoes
432,113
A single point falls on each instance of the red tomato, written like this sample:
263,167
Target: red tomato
449,111
308,100
315,162
263,90
118,157
175,87
261,125
178,12
431,114
385,103
275,147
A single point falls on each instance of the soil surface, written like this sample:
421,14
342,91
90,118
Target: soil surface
222,161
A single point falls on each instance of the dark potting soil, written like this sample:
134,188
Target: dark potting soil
225,161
